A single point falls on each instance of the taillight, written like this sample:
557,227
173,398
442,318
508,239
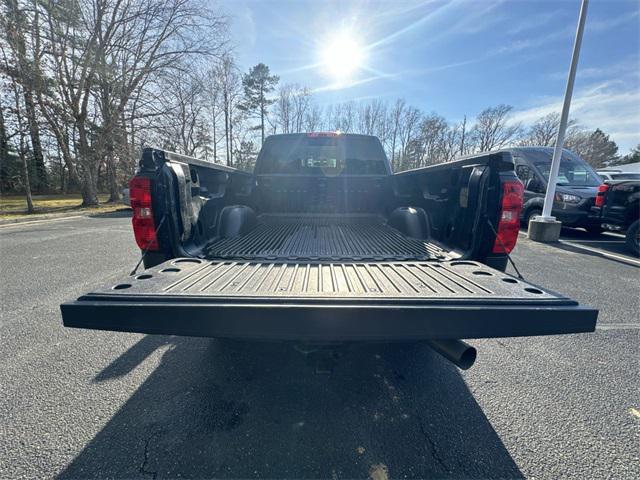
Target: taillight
509,224
144,227
602,193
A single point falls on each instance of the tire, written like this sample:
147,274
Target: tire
532,212
633,238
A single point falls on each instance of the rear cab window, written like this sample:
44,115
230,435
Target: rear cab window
323,155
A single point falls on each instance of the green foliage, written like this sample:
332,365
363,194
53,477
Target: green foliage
257,84
595,147
11,177
246,155
632,157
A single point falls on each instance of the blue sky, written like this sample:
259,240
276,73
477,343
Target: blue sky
457,57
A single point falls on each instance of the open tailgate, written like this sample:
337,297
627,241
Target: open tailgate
323,301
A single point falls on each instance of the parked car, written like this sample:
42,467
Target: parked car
618,175
618,207
576,186
628,171
323,243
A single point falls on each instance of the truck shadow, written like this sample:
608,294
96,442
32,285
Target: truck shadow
240,410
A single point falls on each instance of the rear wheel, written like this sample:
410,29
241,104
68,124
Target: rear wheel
633,237
531,213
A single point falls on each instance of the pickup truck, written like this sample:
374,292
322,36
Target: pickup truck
324,243
617,206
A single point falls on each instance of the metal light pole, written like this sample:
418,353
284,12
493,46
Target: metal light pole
557,152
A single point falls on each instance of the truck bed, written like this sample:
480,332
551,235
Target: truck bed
333,301
324,237
313,256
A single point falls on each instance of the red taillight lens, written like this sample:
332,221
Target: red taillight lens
144,227
509,224
602,193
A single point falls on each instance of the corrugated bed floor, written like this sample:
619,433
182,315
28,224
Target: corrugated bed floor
347,237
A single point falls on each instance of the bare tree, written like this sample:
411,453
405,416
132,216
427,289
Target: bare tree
492,129
100,51
451,142
313,119
543,132
291,108
284,108
22,142
370,117
397,113
431,140
212,92
14,22
230,91
301,103
184,125
343,117
407,130
463,136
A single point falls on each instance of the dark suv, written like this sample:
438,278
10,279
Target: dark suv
576,187
618,208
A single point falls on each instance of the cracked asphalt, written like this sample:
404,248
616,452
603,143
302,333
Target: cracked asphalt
87,404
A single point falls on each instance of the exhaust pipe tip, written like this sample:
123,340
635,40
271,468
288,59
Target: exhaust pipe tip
468,358
457,352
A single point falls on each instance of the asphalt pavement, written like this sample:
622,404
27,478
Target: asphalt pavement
89,404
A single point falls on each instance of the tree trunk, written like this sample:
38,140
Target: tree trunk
226,128
89,178
4,145
23,158
112,177
215,139
231,144
61,167
114,191
26,80
41,180
261,117
464,132
89,188
27,183
393,152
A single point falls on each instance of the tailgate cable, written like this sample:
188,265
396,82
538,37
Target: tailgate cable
513,264
146,249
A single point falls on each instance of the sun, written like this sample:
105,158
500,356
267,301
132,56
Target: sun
342,56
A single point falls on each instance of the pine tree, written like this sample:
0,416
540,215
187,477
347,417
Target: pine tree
257,84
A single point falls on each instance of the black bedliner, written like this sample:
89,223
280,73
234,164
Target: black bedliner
324,237
328,301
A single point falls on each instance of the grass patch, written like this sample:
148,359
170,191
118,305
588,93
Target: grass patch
18,203
15,206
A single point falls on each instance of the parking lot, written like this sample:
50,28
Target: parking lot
88,404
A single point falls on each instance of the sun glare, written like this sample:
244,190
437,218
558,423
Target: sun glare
342,56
